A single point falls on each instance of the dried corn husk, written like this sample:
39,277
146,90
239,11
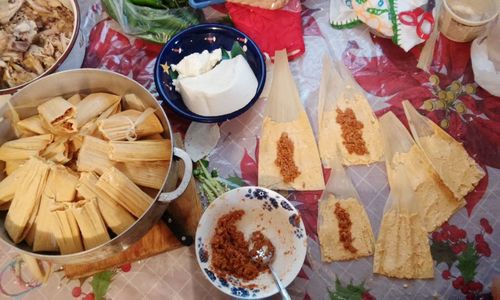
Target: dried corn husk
12,165
66,230
24,148
130,125
133,102
92,227
44,226
93,155
58,151
12,114
147,150
26,200
93,105
59,115
75,99
65,189
124,191
145,173
33,124
36,268
9,184
115,216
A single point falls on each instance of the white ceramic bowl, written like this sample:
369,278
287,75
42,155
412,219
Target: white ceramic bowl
276,218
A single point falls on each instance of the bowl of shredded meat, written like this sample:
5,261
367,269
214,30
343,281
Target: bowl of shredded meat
36,36
237,223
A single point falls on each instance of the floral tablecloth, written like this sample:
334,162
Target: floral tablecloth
466,249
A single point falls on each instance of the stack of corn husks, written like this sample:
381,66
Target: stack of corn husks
81,170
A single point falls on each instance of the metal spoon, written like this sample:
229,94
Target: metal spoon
264,257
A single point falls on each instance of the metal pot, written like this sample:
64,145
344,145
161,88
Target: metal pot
85,81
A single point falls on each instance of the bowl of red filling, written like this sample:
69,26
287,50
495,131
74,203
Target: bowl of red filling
238,219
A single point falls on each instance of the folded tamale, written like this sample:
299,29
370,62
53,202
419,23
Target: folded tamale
130,125
90,223
75,99
58,151
145,150
12,165
121,189
9,185
93,155
24,148
115,216
26,201
133,102
145,173
33,124
59,115
93,105
66,230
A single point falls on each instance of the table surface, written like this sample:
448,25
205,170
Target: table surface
389,76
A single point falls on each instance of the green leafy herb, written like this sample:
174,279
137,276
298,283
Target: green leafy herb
237,180
100,284
237,50
225,54
467,263
349,292
211,185
442,253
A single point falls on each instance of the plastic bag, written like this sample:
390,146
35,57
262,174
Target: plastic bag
486,59
152,24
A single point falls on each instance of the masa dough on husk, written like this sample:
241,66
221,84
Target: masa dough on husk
459,172
402,249
328,230
306,155
435,201
330,133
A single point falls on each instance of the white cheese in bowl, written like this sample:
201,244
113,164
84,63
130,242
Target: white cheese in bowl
197,63
226,88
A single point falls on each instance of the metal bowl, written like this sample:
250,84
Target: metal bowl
73,5
85,81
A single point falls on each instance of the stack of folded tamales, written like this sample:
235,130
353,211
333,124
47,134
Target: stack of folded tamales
81,170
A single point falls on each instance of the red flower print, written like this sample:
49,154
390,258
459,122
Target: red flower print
447,95
486,225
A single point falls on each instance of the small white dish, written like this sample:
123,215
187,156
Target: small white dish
276,218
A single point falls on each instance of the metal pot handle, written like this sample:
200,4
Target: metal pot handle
188,170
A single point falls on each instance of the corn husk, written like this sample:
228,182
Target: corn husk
13,165
120,188
58,151
115,216
12,114
93,155
75,99
147,150
26,200
145,173
133,102
404,158
284,114
44,226
59,115
36,268
155,137
130,125
24,148
93,105
66,230
9,184
90,223
33,124
65,189
458,171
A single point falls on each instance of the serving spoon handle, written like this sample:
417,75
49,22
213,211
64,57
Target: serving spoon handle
283,291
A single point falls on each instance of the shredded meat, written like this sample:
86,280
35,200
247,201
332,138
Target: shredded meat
284,159
345,225
259,241
352,132
230,250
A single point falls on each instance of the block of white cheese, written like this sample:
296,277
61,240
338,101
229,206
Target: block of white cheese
197,63
226,88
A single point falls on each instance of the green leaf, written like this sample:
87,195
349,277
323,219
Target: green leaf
204,162
377,11
225,54
237,180
467,263
173,74
237,50
349,292
442,253
100,284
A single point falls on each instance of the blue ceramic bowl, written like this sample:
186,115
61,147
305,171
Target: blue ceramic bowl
196,39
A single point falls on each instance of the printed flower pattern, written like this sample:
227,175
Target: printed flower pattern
448,95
